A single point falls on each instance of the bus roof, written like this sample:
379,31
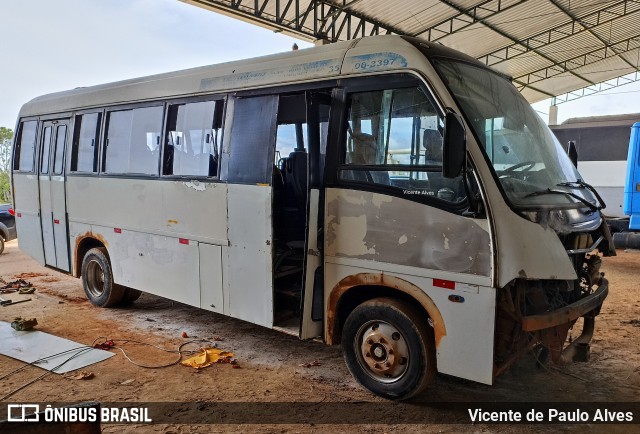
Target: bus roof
370,54
282,68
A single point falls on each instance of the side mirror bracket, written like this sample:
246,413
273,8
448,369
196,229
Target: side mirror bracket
572,152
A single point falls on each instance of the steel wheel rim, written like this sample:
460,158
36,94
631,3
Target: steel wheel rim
95,278
382,351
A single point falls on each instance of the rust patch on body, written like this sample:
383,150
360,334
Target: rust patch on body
567,314
79,239
380,279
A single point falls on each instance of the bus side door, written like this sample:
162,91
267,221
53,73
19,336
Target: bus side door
25,187
53,210
318,107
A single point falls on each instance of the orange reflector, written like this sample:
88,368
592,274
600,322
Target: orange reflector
117,230
184,241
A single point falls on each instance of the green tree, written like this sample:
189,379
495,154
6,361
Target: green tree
6,136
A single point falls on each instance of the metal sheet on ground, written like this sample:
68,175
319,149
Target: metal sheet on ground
32,345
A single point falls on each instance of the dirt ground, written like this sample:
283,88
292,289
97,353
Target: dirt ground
272,364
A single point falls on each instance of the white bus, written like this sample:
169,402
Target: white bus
279,190
602,143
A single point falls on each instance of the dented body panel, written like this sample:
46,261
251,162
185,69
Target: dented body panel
377,240
392,230
248,281
168,206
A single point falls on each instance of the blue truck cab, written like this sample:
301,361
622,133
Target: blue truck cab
631,204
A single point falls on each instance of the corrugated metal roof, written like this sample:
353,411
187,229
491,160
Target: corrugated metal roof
576,45
474,40
529,18
522,64
550,47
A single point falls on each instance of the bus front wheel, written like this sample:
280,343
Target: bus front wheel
389,348
97,279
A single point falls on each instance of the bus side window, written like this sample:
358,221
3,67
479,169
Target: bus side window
292,152
192,139
394,139
44,155
252,140
86,134
24,153
133,141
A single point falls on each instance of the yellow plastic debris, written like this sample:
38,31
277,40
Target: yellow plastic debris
208,357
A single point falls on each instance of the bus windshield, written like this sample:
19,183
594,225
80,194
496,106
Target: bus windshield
525,155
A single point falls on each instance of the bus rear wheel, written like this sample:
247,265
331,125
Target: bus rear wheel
389,348
97,279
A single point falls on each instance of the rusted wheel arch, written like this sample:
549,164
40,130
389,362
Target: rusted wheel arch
83,244
376,285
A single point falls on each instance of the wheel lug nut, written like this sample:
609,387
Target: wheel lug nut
382,341
368,355
390,351
388,365
377,366
370,341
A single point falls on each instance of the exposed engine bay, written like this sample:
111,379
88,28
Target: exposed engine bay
540,314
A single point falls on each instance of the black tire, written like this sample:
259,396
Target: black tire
389,348
97,279
1,244
130,295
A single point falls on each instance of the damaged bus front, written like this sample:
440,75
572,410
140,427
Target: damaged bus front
548,277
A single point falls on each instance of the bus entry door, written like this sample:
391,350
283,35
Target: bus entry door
53,208
318,105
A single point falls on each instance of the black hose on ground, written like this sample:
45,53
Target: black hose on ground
626,240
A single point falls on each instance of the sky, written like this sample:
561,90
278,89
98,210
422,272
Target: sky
54,45
616,101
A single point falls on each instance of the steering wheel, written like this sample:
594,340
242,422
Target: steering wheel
525,165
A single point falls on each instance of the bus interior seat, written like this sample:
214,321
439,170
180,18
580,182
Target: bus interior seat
290,213
297,174
432,142
365,152
446,189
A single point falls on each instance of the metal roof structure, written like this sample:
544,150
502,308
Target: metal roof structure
551,48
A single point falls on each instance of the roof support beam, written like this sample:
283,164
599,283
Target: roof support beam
561,32
598,88
462,20
513,39
579,61
332,21
591,32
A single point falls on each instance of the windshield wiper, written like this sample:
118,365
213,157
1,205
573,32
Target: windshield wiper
591,206
581,184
